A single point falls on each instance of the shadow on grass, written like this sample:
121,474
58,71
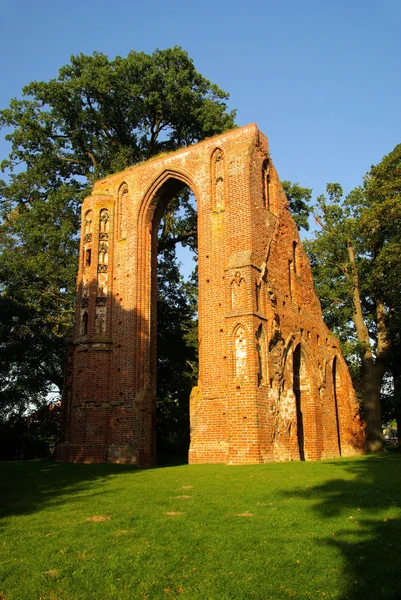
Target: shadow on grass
370,542
26,486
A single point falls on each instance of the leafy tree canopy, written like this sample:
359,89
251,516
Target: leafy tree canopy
100,116
356,262
298,200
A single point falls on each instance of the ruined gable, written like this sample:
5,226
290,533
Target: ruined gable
273,384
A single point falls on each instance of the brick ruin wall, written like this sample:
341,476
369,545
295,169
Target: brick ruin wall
273,384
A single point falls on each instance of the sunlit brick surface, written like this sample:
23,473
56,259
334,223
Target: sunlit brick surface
273,384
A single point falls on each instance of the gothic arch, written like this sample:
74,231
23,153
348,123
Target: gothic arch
122,211
262,355
147,205
155,201
344,409
218,178
290,343
240,349
266,184
299,368
88,222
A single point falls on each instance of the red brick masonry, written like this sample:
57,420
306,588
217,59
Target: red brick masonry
273,384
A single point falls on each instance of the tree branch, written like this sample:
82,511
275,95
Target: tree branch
171,242
320,222
93,159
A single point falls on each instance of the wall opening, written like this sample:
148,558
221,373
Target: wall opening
295,257
266,184
175,313
336,391
291,279
261,349
297,387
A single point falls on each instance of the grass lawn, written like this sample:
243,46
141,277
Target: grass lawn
325,530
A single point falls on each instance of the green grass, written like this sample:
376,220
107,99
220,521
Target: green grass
327,530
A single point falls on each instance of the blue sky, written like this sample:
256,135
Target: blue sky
320,78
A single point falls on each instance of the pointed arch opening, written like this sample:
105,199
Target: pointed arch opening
261,350
298,374
218,179
336,392
122,211
308,415
173,314
84,327
240,352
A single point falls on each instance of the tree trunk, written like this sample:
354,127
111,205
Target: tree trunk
372,379
372,370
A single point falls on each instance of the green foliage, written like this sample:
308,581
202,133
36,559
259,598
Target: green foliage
177,352
100,116
343,223
97,117
37,280
298,199
380,219
368,222
328,256
33,435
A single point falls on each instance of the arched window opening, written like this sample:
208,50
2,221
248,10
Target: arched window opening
87,234
104,224
266,184
218,179
84,323
122,209
297,388
261,349
88,225
291,278
336,386
240,352
174,315
295,257
103,253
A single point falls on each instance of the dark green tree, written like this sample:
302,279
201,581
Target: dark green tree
356,262
298,200
177,353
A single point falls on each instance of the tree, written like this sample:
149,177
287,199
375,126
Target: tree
177,355
356,262
298,200
382,227
97,117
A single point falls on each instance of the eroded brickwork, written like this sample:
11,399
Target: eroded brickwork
273,384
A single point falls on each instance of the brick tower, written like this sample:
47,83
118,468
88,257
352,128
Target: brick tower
273,384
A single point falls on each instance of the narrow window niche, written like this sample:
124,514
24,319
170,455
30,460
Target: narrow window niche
266,184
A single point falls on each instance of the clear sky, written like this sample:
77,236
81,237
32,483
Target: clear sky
320,78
